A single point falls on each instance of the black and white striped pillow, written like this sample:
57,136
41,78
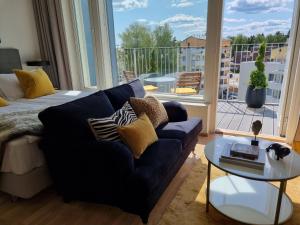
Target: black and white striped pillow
106,128
125,115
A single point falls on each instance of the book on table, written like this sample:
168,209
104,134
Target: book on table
243,155
244,151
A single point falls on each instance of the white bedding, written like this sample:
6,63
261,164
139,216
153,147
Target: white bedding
40,103
23,155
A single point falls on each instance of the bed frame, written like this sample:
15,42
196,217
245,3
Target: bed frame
29,184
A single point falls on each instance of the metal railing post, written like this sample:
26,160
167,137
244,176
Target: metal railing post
134,62
178,59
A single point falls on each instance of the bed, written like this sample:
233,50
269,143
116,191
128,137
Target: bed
23,172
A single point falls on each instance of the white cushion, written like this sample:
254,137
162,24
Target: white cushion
10,87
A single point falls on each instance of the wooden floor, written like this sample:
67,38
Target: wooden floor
48,209
237,116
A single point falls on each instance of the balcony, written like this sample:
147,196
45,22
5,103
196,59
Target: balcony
162,69
233,115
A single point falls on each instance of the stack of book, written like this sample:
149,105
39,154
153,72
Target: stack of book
243,155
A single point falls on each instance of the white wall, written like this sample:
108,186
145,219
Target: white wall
18,29
245,70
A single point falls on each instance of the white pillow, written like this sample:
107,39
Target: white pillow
10,87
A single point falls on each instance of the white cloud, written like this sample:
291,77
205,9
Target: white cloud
147,22
233,20
266,27
142,20
188,24
180,18
258,6
121,5
181,3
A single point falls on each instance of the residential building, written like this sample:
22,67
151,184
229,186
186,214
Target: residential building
192,58
275,74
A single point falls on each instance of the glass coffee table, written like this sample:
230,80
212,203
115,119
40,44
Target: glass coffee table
245,194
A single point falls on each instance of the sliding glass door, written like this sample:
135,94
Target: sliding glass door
246,25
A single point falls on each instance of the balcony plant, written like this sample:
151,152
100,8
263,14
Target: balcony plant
256,91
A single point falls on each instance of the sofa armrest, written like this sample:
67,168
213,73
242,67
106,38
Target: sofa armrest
176,111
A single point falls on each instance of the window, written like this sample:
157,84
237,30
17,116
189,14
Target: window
276,94
269,91
271,77
161,46
85,39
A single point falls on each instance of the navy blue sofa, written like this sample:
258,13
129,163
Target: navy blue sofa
106,172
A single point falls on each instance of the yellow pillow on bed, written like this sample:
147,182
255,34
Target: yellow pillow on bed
3,102
35,83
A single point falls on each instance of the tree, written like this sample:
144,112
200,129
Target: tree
260,38
137,36
278,37
163,36
257,77
240,39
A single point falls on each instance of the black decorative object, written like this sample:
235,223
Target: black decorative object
256,127
38,63
280,150
255,98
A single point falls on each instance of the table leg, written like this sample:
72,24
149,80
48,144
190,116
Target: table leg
281,191
208,186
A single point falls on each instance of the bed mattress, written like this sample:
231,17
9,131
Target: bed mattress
22,155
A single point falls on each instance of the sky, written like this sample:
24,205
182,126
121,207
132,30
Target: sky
188,17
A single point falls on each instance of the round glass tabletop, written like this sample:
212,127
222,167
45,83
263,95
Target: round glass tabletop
160,79
274,170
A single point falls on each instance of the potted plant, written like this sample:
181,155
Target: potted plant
256,91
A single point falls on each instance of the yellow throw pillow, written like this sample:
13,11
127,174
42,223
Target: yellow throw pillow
35,83
3,102
138,135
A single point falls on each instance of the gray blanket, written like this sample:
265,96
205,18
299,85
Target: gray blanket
13,125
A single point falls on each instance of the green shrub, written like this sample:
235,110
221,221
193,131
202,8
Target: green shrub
258,77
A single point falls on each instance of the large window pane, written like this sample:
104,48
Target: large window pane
163,44
85,38
246,25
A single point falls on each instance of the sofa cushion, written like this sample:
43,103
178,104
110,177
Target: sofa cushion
185,131
119,95
106,128
153,165
138,88
152,107
69,120
138,135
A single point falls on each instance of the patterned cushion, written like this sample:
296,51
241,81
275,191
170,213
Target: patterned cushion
106,128
153,109
125,115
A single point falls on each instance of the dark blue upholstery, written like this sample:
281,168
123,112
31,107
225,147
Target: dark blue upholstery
138,88
119,95
176,111
106,172
70,119
184,131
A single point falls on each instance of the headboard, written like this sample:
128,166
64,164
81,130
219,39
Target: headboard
9,60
